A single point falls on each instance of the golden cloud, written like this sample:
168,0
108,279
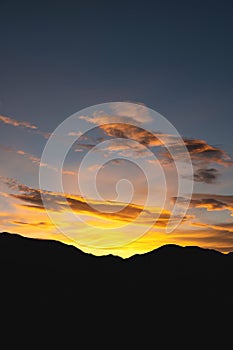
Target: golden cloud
23,124
14,122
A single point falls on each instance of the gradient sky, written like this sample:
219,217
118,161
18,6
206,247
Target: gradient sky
58,57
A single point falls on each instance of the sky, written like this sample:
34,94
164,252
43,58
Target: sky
60,57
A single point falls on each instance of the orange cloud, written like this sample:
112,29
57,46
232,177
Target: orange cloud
23,124
131,132
217,236
201,150
201,153
212,202
14,122
69,172
225,226
106,210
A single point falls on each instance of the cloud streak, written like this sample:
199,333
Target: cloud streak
36,160
211,202
217,236
32,158
23,124
14,122
203,155
131,132
200,151
107,210
41,224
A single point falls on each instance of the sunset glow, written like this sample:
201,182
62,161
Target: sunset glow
116,124
208,222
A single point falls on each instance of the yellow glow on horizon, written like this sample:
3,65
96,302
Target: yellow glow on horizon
32,221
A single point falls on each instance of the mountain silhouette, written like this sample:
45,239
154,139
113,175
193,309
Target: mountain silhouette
45,273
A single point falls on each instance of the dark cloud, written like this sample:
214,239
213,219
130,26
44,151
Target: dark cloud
32,196
201,151
44,224
209,175
227,199
31,206
202,156
209,201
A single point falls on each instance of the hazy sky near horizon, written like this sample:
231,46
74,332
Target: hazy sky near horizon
58,57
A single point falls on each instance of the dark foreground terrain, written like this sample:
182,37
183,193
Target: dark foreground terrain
37,272
47,285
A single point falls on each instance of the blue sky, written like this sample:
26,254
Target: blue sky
176,57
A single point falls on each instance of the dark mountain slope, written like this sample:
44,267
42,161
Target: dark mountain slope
41,272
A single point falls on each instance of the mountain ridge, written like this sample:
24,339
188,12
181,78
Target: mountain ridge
169,246
45,272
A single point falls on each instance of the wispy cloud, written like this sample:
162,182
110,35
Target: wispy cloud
32,158
139,112
23,124
201,153
41,224
80,147
108,210
132,132
94,167
130,113
14,122
35,160
211,202
205,158
126,148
